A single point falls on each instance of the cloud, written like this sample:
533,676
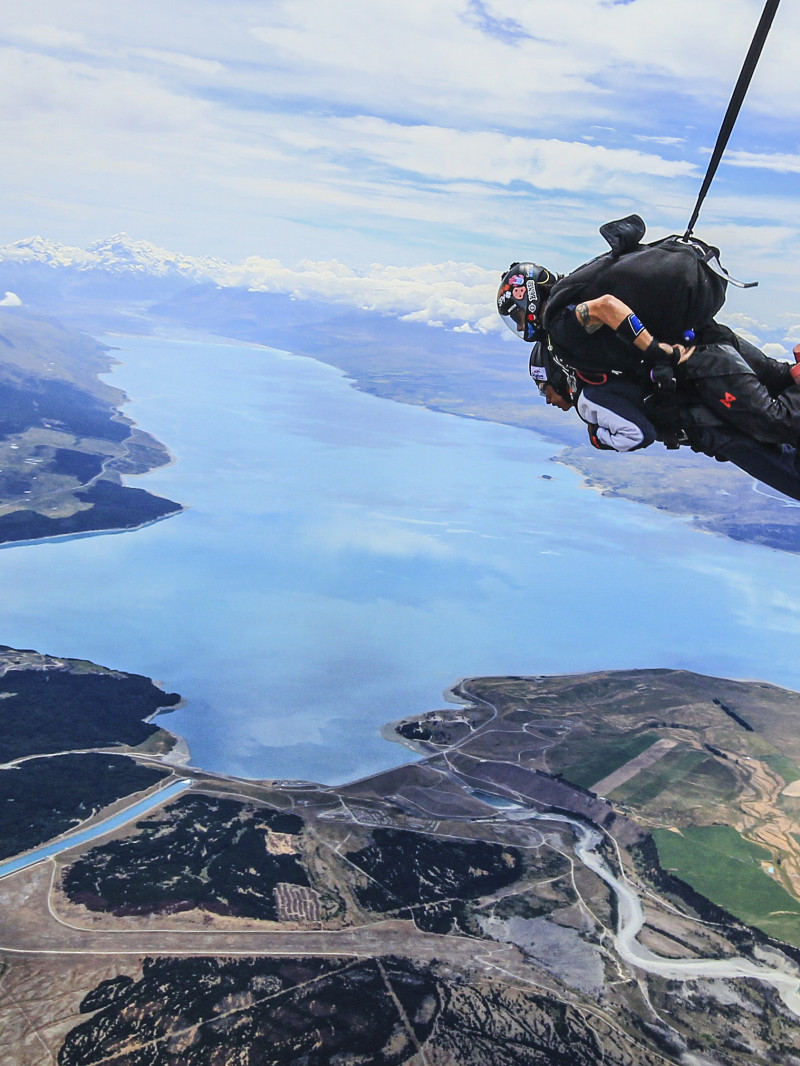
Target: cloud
782,162
450,294
442,154
403,133
504,28
775,350
179,59
11,300
745,323
52,37
653,139
77,100
521,68
454,295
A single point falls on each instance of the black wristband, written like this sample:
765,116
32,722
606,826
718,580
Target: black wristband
629,329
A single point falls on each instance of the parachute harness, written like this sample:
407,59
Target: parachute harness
569,373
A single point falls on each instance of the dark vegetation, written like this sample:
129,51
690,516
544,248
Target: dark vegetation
321,1011
41,402
142,453
81,465
210,854
770,534
113,507
428,879
283,1011
442,733
415,731
58,710
732,714
49,385
522,905
42,798
107,993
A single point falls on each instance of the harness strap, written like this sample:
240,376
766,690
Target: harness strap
714,264
592,379
566,370
739,92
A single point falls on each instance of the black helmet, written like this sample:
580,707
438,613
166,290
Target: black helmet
546,369
523,290
539,366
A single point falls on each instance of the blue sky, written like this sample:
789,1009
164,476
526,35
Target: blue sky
465,131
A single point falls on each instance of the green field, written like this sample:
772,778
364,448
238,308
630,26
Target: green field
606,755
783,766
667,773
724,867
686,781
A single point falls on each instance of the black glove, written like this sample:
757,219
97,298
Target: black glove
658,367
663,379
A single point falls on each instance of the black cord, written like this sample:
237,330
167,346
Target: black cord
740,89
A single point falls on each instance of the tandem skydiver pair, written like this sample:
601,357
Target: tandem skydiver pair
630,340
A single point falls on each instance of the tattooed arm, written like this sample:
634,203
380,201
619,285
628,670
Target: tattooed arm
610,311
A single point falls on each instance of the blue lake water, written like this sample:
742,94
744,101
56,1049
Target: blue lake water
344,559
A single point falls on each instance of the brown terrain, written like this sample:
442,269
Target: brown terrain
445,898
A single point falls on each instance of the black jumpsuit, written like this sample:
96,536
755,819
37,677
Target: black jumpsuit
735,380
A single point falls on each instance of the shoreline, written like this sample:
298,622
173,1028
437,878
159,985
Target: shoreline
697,479
99,532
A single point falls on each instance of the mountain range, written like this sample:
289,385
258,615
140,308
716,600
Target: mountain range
120,255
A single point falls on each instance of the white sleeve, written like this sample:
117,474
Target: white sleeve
614,429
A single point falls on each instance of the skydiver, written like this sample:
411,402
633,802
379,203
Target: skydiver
617,419
602,337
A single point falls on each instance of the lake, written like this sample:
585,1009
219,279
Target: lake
343,559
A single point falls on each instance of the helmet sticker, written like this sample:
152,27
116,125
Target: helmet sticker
506,302
523,291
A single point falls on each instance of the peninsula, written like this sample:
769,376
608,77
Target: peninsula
64,443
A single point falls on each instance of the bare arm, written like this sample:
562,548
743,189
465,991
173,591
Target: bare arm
610,311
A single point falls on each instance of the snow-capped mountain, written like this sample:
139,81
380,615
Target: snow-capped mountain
120,272
115,255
